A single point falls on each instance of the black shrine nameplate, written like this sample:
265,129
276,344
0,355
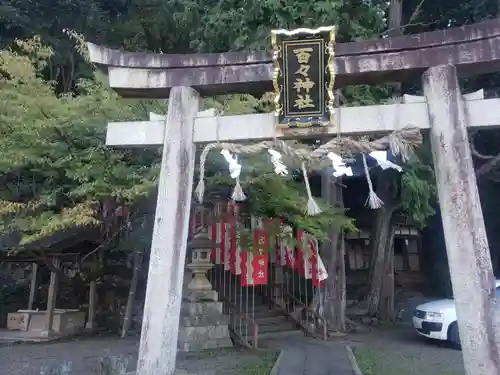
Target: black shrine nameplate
304,75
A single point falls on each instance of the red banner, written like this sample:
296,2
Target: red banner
299,254
312,268
312,261
254,269
260,269
246,276
261,258
255,263
215,235
272,227
230,223
287,247
234,252
218,234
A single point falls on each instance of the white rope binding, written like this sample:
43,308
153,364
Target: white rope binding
373,201
312,208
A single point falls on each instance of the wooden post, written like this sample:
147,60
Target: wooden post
51,299
160,325
131,292
90,325
34,271
465,235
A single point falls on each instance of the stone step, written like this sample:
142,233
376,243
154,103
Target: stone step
276,319
264,313
250,301
269,337
203,320
280,334
278,326
267,314
183,346
201,308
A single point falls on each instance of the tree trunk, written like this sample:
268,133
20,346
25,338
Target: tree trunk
380,299
131,293
386,311
395,20
333,255
381,293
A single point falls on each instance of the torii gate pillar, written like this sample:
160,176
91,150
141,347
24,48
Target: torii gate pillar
464,231
160,325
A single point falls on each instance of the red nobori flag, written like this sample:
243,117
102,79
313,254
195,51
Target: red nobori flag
272,227
197,219
287,246
261,258
229,243
311,259
238,254
234,246
313,265
226,230
217,234
246,268
299,254
254,264
254,269
322,274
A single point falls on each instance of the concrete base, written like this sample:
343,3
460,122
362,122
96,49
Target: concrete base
8,336
66,322
46,334
202,326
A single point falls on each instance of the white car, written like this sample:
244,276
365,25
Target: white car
438,320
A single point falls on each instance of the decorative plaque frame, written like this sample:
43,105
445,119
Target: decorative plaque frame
304,76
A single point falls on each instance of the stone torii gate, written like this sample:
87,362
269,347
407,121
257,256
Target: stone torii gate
440,56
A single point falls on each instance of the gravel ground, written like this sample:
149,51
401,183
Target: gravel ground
397,350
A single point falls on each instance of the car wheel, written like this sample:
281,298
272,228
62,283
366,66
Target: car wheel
453,336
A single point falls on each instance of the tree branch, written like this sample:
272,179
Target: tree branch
488,166
416,12
385,33
110,238
474,150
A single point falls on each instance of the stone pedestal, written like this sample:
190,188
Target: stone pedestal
202,324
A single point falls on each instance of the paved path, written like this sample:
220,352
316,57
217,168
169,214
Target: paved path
398,350
314,360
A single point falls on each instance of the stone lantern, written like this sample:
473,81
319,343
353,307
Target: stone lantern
202,324
199,288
